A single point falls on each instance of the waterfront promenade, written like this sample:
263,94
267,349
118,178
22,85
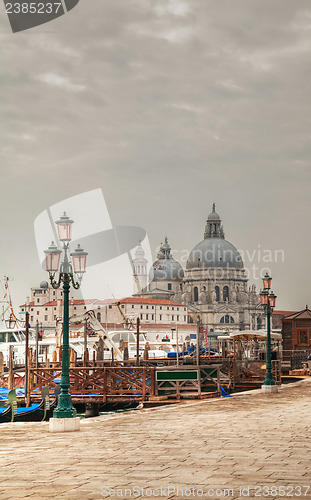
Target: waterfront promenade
208,449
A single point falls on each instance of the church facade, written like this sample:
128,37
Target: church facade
214,284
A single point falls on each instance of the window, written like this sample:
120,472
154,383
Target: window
147,316
152,316
38,313
46,308
160,317
172,317
225,293
184,308
185,318
74,308
180,286
84,307
303,337
54,317
172,308
141,307
169,286
160,307
152,307
31,318
177,318
31,309
227,319
38,300
45,318
132,306
110,307
195,294
122,305
99,317
147,307
217,293
54,293
141,316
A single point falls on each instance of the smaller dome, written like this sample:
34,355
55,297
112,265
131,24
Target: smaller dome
165,268
213,215
44,285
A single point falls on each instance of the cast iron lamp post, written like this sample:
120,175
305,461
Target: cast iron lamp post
66,277
268,300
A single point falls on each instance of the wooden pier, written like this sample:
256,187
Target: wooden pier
97,384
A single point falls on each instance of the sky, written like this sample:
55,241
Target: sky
167,106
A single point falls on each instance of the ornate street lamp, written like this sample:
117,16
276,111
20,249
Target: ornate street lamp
268,300
66,277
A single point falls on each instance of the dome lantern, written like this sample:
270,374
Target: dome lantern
213,228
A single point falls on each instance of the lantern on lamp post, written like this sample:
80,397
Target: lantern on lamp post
66,278
268,300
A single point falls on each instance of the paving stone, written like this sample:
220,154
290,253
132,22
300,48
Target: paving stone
252,439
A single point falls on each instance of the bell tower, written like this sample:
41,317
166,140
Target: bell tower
139,270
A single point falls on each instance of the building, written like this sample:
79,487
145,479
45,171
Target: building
278,316
213,285
296,333
156,315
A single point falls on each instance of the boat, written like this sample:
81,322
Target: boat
37,412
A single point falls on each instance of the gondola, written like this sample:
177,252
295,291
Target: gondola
34,413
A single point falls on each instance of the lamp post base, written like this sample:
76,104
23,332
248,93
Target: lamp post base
269,389
64,424
64,407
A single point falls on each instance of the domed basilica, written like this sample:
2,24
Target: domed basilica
214,283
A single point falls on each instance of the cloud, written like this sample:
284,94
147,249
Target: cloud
167,106
175,7
60,81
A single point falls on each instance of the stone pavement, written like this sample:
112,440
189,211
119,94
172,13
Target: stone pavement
210,449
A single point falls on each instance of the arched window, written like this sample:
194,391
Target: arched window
217,293
225,293
258,322
195,294
227,319
99,316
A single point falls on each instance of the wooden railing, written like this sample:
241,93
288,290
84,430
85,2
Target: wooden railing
13,379
97,381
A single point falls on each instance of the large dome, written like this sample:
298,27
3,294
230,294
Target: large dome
214,252
165,268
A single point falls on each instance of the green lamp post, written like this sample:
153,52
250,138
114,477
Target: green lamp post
66,277
268,300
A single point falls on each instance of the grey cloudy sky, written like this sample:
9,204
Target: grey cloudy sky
168,106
